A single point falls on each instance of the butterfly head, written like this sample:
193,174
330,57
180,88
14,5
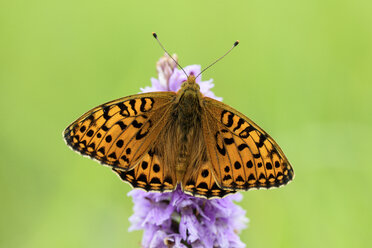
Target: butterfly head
190,83
191,79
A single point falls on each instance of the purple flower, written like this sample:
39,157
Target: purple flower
175,219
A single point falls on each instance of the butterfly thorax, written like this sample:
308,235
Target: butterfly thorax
187,107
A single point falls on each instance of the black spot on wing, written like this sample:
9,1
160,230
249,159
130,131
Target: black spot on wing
90,133
229,117
143,104
106,110
249,164
269,166
241,147
144,131
239,179
262,176
112,155
132,103
142,178
245,133
92,145
122,125
202,185
119,143
108,138
155,180
271,176
237,165
190,182
144,165
151,152
277,164
240,123
261,141
251,177
125,158
205,173
84,143
123,109
156,168
257,155
229,141
226,177
221,148
102,150
136,124
168,180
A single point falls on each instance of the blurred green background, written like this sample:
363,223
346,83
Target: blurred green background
302,72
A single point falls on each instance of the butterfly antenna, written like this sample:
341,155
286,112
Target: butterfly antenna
235,44
156,37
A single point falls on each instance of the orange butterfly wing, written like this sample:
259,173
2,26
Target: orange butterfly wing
242,155
120,134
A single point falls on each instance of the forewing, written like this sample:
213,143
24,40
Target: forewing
119,133
243,156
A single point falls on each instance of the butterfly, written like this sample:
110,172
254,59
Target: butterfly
156,141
